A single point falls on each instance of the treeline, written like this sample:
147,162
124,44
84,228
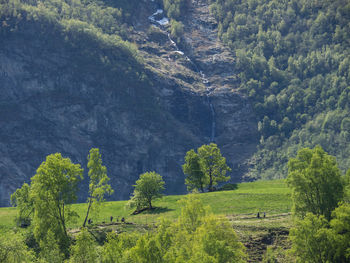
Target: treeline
45,207
91,28
196,236
293,61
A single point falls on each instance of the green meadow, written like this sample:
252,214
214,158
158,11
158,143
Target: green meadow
271,197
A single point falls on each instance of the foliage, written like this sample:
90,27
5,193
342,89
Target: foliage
316,182
148,187
213,164
195,178
116,247
292,58
176,30
53,188
49,249
312,240
93,30
340,225
21,199
347,186
85,249
14,250
205,168
98,186
192,213
175,8
197,236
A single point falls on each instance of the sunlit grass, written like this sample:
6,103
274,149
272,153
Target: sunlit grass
272,197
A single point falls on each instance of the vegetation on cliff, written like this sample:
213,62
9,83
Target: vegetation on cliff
293,62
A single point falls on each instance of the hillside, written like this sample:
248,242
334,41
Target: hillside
293,63
72,80
146,81
240,206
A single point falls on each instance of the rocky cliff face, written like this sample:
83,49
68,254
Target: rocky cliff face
52,103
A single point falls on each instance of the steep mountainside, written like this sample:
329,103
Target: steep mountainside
70,81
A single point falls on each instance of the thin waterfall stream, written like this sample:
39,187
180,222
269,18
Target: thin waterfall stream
161,23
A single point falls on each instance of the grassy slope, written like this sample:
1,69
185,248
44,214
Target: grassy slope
240,206
272,197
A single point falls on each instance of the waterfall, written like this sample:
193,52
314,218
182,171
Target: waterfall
160,23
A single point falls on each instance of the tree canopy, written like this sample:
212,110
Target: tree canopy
316,182
147,188
53,188
98,186
205,168
195,178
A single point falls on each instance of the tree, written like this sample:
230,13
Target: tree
21,199
213,164
148,187
340,225
49,249
199,236
53,188
195,177
216,240
98,186
14,249
316,182
347,186
312,240
85,249
118,246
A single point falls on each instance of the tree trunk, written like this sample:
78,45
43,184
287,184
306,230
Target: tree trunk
88,211
210,188
150,204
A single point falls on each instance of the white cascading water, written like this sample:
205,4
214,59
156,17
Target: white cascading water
160,23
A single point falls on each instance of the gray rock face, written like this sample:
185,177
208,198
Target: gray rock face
49,103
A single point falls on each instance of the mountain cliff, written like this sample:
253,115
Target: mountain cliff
69,83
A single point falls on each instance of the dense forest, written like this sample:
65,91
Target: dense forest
293,62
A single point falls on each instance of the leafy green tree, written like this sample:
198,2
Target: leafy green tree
340,225
199,236
316,182
216,240
21,199
192,213
13,249
148,187
49,249
98,186
195,177
53,188
312,240
117,247
213,165
85,249
146,250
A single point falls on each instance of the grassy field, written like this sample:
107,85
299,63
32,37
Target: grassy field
272,197
240,206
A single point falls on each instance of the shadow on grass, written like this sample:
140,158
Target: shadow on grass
228,187
153,211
